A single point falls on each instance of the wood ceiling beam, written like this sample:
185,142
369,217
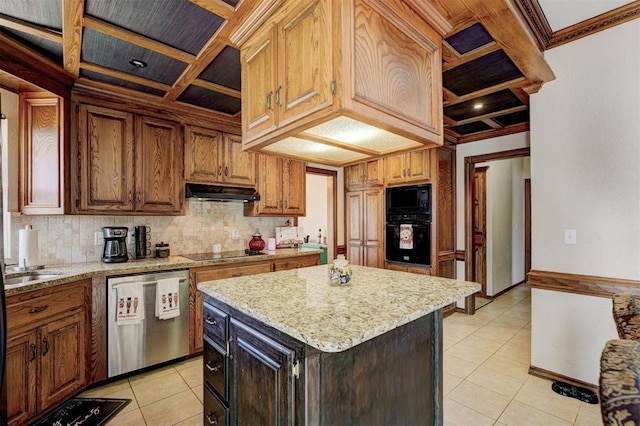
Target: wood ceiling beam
216,7
217,88
455,60
72,12
490,115
507,28
124,76
510,130
25,27
137,39
488,90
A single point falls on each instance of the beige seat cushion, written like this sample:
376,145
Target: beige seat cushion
620,382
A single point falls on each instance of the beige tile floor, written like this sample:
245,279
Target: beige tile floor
486,359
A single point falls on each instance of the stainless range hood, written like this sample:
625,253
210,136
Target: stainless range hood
220,193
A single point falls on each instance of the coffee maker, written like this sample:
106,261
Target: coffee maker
115,244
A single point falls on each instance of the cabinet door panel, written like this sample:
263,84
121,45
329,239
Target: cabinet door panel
203,162
263,391
294,187
42,151
258,59
355,229
395,169
62,354
418,166
373,227
239,165
106,159
270,184
21,368
306,61
159,163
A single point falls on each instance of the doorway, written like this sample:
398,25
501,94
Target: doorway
496,223
321,202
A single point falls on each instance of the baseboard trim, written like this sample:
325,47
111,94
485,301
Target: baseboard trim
550,375
501,292
588,285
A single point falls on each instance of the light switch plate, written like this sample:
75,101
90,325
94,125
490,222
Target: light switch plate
570,236
98,240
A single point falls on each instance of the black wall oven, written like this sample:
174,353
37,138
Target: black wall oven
408,228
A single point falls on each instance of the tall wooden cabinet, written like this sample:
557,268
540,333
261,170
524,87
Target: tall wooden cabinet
446,212
216,157
43,153
365,227
46,348
282,188
128,163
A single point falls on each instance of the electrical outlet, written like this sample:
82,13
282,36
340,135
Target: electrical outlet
131,236
98,240
570,236
235,234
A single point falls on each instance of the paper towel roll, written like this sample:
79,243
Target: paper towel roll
27,247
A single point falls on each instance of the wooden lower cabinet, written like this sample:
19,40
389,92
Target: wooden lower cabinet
271,378
365,227
295,262
46,349
415,269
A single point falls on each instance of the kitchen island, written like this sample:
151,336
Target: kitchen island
289,348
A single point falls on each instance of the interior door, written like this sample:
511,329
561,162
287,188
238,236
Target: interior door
480,227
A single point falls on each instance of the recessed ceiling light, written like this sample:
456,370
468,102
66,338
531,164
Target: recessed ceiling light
478,105
138,63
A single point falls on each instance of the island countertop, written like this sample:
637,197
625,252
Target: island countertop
302,303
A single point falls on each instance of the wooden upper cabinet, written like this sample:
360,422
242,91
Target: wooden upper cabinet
312,61
287,67
128,163
159,166
364,175
105,159
42,154
409,167
216,157
282,188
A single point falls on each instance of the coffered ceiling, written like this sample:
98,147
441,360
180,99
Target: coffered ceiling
182,52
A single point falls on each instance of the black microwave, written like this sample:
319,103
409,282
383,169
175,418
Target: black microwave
414,199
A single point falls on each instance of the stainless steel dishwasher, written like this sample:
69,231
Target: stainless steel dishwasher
145,340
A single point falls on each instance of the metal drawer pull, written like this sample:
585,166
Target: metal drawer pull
46,346
210,321
238,274
215,368
214,420
34,352
38,309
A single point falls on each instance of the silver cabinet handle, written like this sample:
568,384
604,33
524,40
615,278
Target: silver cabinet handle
210,321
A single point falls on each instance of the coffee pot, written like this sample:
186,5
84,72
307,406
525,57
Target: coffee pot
115,244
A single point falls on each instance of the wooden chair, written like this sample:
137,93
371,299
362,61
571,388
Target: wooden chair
620,382
626,314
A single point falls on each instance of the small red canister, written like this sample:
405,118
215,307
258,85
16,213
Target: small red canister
256,243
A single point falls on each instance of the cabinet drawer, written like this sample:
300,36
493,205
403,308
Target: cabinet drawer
215,412
215,324
215,368
232,272
32,311
295,263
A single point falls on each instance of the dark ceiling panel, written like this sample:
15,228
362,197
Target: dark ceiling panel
177,23
208,99
101,49
469,39
118,82
48,48
225,69
513,118
491,103
488,70
476,126
233,3
45,13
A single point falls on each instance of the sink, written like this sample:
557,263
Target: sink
30,276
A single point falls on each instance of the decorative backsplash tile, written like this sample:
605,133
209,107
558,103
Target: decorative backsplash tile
70,238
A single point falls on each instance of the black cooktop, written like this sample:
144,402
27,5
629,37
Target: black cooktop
223,255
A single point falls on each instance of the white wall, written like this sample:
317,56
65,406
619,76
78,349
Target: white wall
317,202
585,156
503,143
499,215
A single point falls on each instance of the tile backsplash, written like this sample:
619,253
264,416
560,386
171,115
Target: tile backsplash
70,238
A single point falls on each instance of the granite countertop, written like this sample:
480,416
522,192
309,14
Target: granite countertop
302,304
76,271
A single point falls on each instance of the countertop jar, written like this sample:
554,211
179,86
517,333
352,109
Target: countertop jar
162,249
